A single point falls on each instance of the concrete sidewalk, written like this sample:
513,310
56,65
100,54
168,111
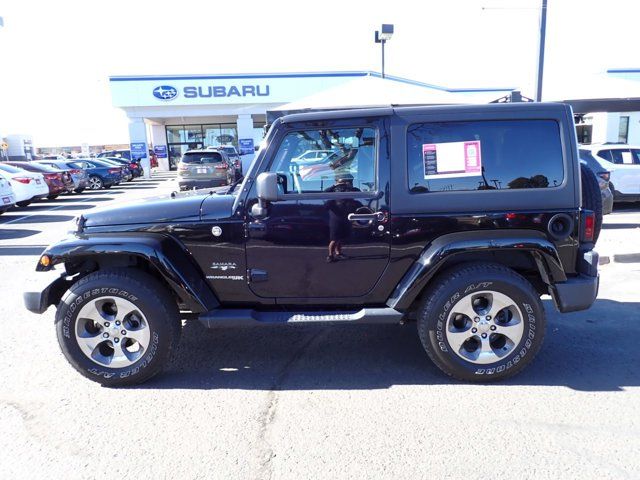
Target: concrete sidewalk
619,240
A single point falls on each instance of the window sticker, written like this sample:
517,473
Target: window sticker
452,159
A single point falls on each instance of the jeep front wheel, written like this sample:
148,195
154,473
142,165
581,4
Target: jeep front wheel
118,327
481,322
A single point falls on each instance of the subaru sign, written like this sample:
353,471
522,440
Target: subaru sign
165,92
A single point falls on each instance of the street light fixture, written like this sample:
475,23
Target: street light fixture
382,35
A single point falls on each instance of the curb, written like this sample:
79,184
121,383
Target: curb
619,258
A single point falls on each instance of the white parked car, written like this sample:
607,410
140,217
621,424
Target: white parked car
7,197
623,162
27,186
313,156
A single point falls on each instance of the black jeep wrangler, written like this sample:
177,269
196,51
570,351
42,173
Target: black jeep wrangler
459,218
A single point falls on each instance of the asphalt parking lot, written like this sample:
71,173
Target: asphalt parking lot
316,401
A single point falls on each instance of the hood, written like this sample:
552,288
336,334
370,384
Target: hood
178,208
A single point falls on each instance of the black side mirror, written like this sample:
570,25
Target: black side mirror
267,187
267,190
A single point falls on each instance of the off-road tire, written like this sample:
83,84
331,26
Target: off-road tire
454,284
592,197
146,293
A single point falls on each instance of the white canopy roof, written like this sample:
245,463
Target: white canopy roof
370,91
590,87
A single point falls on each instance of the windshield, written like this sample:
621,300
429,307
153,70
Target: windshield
202,157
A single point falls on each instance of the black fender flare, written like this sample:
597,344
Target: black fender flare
447,246
170,258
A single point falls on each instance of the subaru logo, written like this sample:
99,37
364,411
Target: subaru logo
165,92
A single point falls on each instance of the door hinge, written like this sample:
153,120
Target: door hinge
257,275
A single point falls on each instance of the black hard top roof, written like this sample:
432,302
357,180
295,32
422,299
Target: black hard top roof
312,115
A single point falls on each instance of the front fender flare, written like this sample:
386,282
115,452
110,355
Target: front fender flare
162,252
447,246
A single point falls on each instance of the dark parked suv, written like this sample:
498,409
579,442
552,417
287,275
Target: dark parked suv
458,218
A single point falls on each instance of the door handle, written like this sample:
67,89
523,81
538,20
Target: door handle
359,217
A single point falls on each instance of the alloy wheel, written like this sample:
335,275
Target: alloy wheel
112,332
484,327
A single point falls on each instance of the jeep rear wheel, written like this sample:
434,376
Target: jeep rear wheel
481,322
118,327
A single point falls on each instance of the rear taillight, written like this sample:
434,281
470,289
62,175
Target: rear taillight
133,165
114,170
604,175
75,172
25,180
53,176
588,225
220,167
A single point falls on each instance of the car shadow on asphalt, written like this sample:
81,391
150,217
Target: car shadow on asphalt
34,218
72,206
10,234
23,250
594,350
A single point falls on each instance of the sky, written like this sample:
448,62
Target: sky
56,56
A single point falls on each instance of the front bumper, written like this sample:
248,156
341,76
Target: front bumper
579,292
45,289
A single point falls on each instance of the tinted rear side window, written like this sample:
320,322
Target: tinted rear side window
204,157
484,155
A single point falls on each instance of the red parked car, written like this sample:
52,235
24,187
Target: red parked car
58,181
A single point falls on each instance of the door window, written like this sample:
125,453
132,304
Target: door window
327,160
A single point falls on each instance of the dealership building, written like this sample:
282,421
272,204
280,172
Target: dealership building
173,113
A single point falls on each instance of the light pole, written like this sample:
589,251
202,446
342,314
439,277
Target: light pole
382,35
543,32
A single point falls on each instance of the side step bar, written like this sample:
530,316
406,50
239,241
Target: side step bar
220,317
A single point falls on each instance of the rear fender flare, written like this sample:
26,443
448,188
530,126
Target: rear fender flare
446,247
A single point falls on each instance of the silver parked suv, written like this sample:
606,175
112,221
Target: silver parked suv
205,168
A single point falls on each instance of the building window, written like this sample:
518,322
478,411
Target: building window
623,130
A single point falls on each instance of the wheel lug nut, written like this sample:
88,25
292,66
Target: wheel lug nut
493,327
117,339
105,335
488,317
118,322
484,335
106,324
474,330
477,319
123,332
